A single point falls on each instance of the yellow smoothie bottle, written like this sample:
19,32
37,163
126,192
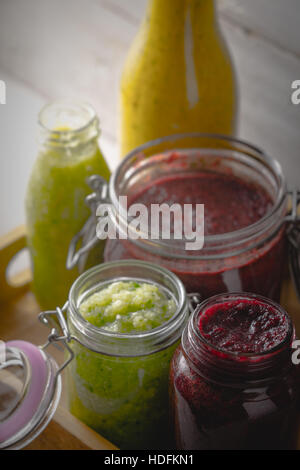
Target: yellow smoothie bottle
178,76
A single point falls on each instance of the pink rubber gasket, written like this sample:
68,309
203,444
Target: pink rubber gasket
27,409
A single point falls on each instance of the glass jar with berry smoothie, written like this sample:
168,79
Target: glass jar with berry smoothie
233,382
246,212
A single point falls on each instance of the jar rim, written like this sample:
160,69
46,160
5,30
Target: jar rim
161,335
85,127
249,151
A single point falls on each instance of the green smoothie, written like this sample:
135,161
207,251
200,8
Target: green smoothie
124,398
125,307
55,204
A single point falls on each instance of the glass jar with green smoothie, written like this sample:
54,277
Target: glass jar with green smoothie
127,318
55,200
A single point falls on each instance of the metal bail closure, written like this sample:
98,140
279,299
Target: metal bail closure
293,233
194,300
87,235
30,387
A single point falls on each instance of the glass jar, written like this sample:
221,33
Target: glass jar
55,200
232,400
250,259
30,389
117,382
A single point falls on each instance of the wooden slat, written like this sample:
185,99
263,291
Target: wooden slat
76,49
65,432
131,10
265,72
19,320
84,57
275,20
18,145
56,437
81,61
10,245
267,116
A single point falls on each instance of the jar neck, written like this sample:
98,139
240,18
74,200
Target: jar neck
176,23
236,369
68,125
170,12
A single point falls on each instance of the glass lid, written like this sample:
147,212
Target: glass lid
30,389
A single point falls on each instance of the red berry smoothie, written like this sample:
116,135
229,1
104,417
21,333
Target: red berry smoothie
233,384
230,204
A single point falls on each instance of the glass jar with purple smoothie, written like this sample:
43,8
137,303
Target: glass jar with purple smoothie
246,212
233,384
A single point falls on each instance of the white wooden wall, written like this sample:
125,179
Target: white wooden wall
75,48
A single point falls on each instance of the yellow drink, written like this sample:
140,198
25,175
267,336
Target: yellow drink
178,76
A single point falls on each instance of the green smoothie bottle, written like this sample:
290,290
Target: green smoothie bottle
55,199
178,76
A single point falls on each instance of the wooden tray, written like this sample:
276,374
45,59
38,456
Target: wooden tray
18,320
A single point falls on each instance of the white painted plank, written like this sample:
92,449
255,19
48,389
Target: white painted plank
265,72
18,149
76,49
267,116
70,49
276,20
132,10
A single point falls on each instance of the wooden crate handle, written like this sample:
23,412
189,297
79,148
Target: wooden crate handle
66,432
10,245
